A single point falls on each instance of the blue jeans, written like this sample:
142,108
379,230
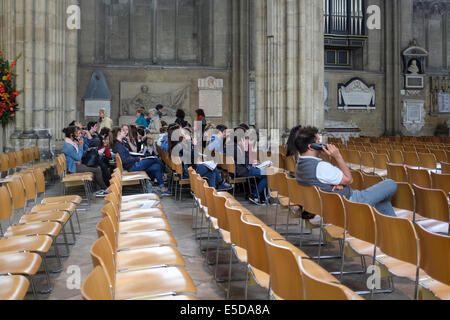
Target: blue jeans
214,178
378,196
262,185
152,167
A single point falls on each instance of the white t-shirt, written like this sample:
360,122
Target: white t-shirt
327,173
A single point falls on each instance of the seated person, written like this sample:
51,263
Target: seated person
93,138
217,143
246,161
74,149
215,180
153,167
313,171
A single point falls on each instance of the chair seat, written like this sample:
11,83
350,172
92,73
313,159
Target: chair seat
399,268
63,199
67,206
77,178
143,225
39,243
175,298
241,254
226,236
225,194
153,282
381,172
20,263
137,205
61,217
150,257
406,214
368,170
41,228
147,196
13,287
434,226
146,240
284,201
438,289
261,278
135,176
359,248
318,272
335,232
142,214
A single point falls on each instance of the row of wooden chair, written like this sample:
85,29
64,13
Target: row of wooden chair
421,177
27,158
135,256
25,244
272,262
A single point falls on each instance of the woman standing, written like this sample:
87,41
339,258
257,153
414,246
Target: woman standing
180,119
74,150
135,164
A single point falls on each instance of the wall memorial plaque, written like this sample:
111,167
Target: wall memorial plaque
211,96
413,115
356,94
444,102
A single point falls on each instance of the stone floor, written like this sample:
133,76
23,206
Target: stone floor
78,265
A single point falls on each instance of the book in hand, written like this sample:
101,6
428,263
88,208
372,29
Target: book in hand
136,154
265,165
211,165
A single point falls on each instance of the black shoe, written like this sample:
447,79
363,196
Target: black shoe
308,216
255,200
225,187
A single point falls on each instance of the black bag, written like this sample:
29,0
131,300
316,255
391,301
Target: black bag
91,158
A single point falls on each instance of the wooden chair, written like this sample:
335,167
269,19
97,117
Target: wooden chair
178,178
96,286
40,190
397,172
396,157
445,167
435,261
290,164
431,204
370,180
428,161
233,179
440,181
149,282
285,275
355,160
381,161
4,165
367,162
358,180
13,287
399,243
411,159
317,289
132,178
441,155
420,177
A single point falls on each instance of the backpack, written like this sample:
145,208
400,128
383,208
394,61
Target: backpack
91,158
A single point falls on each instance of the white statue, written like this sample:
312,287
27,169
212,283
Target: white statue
413,68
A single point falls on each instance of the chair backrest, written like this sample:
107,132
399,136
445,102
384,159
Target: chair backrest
432,204
358,180
6,205
441,155
209,197
17,192
4,163
333,209
381,161
311,200
221,211
290,164
434,254
440,181
396,157
40,180
101,254
256,249
355,159
397,172
397,238
316,289
370,180
30,186
427,160
420,177
105,228
295,197
119,163
445,167
19,157
96,286
12,160
283,189
367,160
109,210
360,221
411,158
285,277
404,197
235,224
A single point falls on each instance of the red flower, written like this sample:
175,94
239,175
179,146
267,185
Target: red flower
2,89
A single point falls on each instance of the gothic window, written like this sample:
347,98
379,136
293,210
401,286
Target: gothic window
345,32
159,32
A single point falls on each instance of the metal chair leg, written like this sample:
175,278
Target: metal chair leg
229,273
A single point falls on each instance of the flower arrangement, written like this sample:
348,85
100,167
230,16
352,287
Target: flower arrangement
8,92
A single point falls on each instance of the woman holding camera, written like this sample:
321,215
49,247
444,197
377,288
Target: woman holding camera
74,150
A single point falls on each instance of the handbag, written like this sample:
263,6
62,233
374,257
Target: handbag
91,158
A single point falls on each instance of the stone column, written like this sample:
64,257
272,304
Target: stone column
72,71
289,63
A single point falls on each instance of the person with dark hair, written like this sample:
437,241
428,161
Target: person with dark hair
160,108
92,136
180,119
291,149
217,143
74,150
313,171
128,140
135,164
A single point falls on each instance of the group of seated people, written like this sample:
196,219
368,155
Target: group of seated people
136,146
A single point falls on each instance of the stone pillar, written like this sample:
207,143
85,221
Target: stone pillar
289,63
